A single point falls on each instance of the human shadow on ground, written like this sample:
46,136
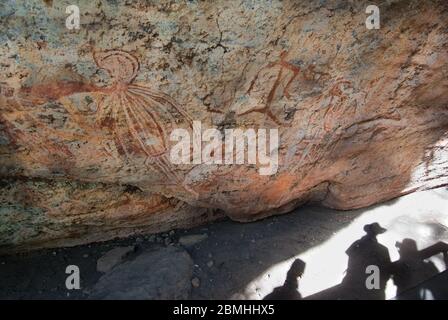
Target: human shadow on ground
367,258
289,290
413,269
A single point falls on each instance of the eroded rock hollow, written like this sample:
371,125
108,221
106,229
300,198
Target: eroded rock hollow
87,114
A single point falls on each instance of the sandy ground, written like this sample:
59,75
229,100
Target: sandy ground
246,261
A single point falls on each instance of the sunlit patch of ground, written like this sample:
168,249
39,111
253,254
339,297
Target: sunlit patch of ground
422,216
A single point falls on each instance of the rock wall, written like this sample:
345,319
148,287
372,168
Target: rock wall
86,114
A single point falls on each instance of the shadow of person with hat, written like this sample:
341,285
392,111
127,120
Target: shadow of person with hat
362,253
413,269
289,290
365,252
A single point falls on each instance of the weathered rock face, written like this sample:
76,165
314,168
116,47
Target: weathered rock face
150,276
86,115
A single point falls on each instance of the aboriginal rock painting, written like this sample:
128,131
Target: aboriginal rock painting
135,113
19,127
324,122
336,107
331,109
291,71
138,118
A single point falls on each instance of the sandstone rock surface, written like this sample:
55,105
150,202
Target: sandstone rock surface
191,240
113,257
85,115
150,276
